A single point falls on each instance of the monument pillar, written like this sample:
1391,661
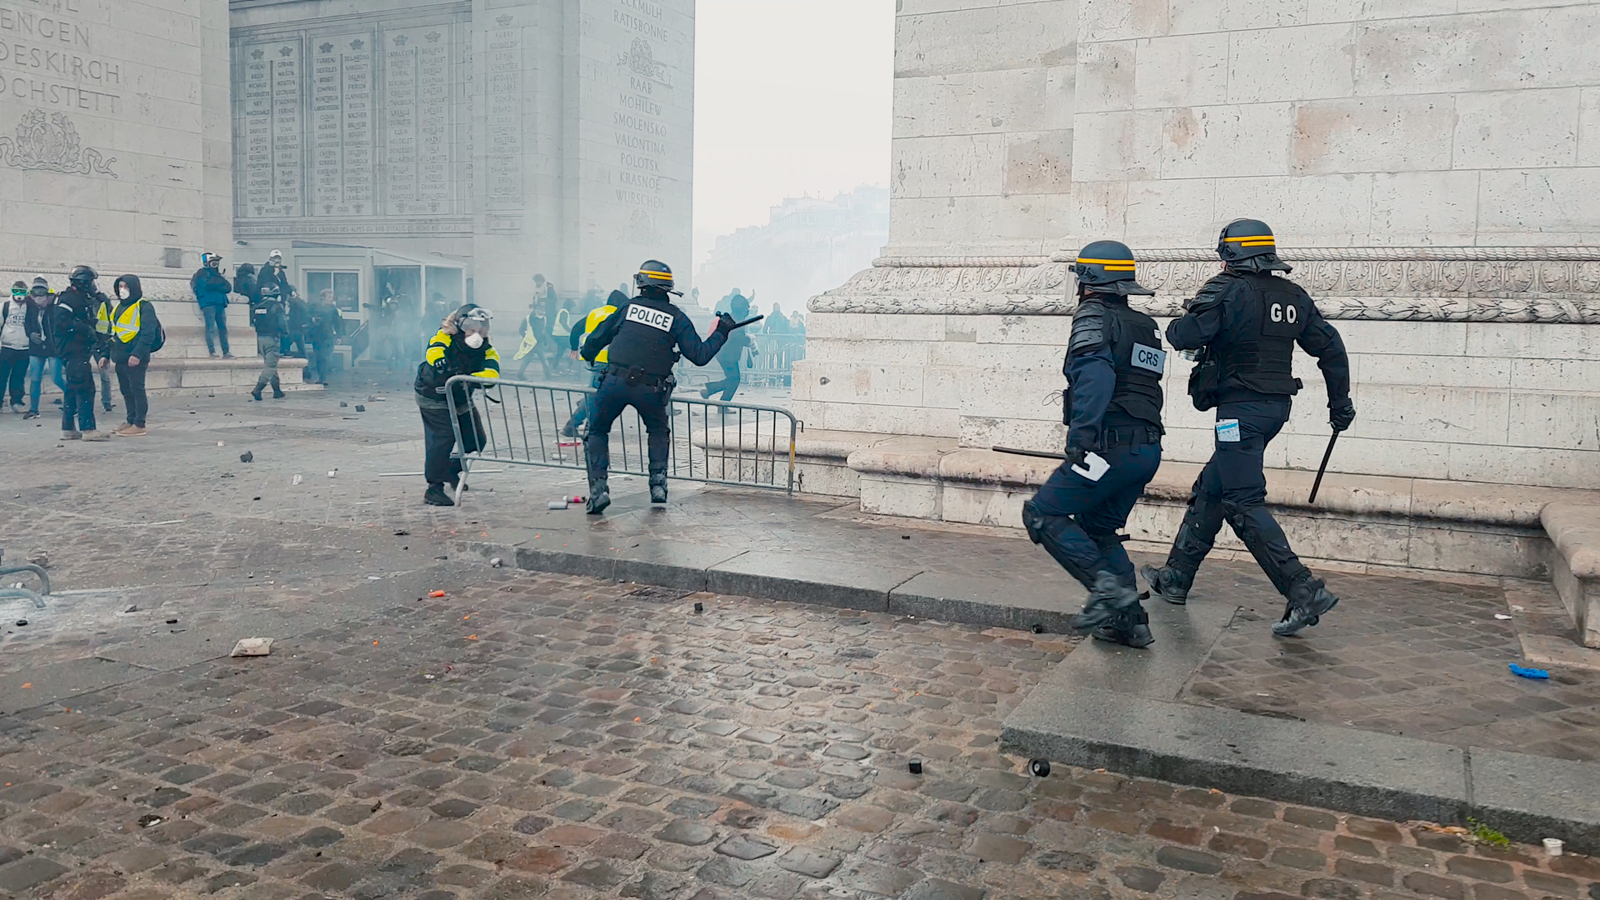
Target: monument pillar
1417,169
112,155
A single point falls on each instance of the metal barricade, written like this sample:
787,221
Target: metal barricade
773,358
528,424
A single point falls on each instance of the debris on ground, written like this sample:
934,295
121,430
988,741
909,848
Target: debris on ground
360,408
401,533
252,647
343,405
39,558
150,820
1502,617
557,504
246,456
436,593
296,479
496,563
1525,672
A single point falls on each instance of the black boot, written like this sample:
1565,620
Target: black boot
437,496
1309,599
1109,600
256,394
1168,583
1131,629
658,488
277,392
599,497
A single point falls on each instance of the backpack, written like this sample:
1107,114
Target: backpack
161,330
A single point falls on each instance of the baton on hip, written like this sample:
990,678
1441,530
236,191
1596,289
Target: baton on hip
1315,485
1035,453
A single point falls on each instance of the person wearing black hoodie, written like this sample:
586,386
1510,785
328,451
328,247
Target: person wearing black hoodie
134,333
73,319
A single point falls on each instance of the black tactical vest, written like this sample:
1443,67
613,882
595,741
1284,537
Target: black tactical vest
645,340
1257,343
1139,361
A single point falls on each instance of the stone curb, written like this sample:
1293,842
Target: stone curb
799,579
1527,798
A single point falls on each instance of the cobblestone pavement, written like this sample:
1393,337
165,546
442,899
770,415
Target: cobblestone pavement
540,736
547,736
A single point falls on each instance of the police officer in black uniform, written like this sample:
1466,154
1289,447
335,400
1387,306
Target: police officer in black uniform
1247,320
1113,413
644,336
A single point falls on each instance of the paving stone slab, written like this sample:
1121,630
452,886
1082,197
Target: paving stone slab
1044,605
36,686
1339,768
808,579
1533,797
1184,638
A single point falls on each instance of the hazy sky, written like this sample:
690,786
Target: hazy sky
791,96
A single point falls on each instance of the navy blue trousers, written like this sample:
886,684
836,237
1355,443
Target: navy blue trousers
1232,488
611,397
1076,520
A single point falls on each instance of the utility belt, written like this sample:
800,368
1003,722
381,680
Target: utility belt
635,377
1131,435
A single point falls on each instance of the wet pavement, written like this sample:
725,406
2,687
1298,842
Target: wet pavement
539,735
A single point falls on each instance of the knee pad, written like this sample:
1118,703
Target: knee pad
1033,521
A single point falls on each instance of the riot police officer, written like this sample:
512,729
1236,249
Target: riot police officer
644,337
1246,321
1112,409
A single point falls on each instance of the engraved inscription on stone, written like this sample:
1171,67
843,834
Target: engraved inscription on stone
341,102
503,114
271,172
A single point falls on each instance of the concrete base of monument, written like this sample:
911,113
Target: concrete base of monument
185,367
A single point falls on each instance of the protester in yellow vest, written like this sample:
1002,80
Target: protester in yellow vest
597,369
134,333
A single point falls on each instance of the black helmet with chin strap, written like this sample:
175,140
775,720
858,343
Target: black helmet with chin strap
655,275
82,278
1249,244
1107,267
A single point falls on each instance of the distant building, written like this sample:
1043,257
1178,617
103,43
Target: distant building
514,137
810,245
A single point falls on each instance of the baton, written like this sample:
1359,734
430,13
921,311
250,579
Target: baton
1035,453
739,325
1315,485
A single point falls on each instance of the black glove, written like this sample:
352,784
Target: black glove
725,323
1077,457
1341,415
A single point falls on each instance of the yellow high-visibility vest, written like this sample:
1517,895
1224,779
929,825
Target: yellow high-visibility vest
124,327
595,317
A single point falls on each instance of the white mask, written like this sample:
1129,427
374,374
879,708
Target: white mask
474,340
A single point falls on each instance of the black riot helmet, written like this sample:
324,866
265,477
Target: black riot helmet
1248,244
1246,239
1107,267
83,278
655,275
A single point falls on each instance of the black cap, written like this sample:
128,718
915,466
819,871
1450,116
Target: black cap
1107,267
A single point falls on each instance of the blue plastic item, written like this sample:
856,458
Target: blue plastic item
1528,673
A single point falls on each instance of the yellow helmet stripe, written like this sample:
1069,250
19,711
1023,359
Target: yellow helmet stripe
1250,237
1258,244
1105,262
660,276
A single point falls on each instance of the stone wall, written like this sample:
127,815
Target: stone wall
1467,364
110,151
1342,123
983,126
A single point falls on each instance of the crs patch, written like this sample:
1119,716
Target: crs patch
1151,359
659,319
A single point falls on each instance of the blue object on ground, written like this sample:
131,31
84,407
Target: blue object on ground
1528,673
